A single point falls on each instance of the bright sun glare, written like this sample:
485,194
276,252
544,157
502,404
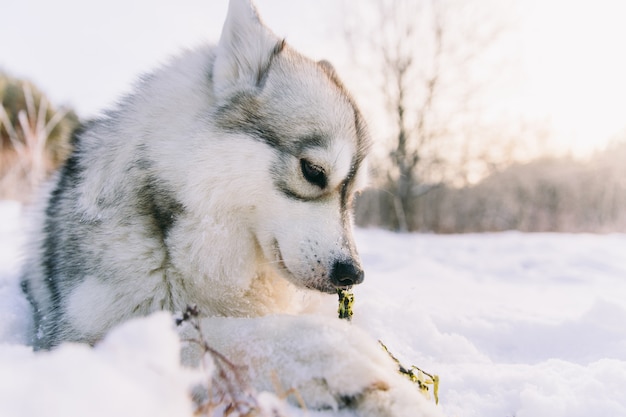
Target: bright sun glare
576,68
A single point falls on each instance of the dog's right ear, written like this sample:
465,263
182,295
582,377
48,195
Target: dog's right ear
245,50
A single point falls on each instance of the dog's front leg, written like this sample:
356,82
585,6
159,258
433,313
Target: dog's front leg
327,364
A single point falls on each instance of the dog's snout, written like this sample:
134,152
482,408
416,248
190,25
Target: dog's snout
346,273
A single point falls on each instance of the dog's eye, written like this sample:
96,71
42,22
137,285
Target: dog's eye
313,173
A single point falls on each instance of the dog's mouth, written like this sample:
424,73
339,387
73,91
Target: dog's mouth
322,284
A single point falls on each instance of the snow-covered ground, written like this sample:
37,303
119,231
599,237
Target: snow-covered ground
525,325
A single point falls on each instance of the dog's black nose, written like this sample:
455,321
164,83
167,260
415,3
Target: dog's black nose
346,273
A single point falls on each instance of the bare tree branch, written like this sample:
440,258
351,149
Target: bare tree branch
424,59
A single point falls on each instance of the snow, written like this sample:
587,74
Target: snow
514,324
135,371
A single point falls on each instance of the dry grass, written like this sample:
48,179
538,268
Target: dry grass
34,140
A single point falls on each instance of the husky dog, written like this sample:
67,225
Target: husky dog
225,181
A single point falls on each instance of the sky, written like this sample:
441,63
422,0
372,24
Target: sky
569,54
575,65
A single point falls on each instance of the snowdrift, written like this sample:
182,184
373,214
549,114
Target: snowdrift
514,324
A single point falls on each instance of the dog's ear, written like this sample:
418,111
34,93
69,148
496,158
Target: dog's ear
245,50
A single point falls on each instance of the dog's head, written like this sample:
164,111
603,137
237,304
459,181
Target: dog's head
314,142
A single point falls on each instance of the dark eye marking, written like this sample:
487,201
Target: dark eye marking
314,174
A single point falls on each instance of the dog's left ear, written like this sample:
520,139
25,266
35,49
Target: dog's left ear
245,50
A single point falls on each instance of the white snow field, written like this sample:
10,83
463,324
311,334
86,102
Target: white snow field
525,325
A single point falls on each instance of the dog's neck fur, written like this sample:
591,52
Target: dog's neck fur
225,282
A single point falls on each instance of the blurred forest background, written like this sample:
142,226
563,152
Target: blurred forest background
448,165
443,162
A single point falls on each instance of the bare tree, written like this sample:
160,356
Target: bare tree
424,51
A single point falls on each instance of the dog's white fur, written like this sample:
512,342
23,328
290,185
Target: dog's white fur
330,364
201,189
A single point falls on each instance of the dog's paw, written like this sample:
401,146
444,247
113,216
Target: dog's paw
326,364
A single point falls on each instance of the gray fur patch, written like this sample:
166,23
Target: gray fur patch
159,205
